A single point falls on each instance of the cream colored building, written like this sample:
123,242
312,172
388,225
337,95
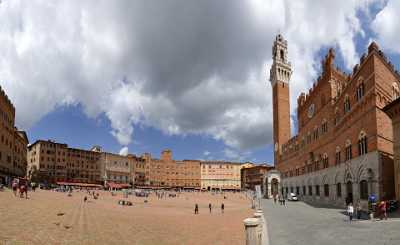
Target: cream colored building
220,175
116,168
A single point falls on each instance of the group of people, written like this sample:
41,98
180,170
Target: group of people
20,185
350,211
196,208
381,210
163,194
93,194
281,199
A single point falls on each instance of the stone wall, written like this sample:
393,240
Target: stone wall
367,167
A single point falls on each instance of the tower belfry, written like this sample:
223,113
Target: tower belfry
279,76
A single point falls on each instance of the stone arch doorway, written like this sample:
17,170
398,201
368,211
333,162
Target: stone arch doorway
272,183
349,192
274,187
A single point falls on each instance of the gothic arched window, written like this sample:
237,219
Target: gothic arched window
324,126
363,189
346,104
339,189
360,89
337,116
349,154
337,156
362,144
395,91
325,161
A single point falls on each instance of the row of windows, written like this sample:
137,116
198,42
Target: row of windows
323,161
219,166
324,126
363,187
6,118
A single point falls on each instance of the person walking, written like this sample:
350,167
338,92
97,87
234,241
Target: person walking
210,207
350,211
222,207
196,209
275,198
358,209
15,186
382,207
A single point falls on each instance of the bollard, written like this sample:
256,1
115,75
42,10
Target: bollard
260,227
252,233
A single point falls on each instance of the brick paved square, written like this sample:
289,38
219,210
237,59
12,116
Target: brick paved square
49,217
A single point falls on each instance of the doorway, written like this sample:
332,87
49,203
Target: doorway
349,191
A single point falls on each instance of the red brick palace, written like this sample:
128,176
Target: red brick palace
344,146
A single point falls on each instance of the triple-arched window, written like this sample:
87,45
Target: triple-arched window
324,127
349,154
395,91
337,116
346,104
325,161
360,89
337,156
362,143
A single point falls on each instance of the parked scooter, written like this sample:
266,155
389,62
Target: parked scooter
392,206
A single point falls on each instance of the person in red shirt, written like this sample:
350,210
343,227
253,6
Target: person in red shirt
382,207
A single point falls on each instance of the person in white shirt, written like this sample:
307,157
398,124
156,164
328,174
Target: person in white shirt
350,211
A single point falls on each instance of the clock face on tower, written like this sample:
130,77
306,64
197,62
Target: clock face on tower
311,110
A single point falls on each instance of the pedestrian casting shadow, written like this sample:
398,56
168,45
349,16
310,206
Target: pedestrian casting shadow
364,215
326,206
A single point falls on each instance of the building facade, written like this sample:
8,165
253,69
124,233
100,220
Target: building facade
13,142
139,169
344,147
117,168
53,162
393,111
252,176
168,173
220,175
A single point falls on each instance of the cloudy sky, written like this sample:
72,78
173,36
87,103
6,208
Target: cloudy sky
192,76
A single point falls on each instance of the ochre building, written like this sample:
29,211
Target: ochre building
168,173
343,151
13,142
252,176
53,162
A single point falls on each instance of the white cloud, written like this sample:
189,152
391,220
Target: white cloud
236,155
124,151
183,72
206,153
386,26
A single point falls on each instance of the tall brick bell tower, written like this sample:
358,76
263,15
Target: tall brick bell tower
280,73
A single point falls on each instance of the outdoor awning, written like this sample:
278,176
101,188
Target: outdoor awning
117,185
79,184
